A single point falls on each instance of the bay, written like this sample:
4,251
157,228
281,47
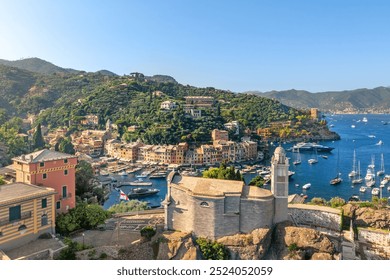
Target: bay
363,137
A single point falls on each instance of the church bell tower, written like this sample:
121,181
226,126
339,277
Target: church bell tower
279,184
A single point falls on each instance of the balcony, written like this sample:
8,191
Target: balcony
23,216
68,195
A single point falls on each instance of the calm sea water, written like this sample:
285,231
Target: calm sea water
363,138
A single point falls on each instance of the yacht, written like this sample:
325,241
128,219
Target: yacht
363,189
306,186
140,182
143,174
382,170
298,159
305,147
141,192
375,191
353,173
359,179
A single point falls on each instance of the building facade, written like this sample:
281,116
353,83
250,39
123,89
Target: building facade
26,212
50,169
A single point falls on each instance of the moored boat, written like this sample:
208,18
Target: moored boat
141,192
305,147
140,182
306,186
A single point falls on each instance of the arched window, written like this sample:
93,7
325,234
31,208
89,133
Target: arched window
22,228
44,220
204,204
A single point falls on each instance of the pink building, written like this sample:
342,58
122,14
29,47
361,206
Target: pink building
50,169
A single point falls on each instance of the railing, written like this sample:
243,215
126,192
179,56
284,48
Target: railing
23,216
68,195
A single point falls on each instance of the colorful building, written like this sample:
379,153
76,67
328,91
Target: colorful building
26,212
50,169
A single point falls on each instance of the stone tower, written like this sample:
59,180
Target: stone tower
279,184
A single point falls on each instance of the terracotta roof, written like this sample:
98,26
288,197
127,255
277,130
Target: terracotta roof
11,193
42,155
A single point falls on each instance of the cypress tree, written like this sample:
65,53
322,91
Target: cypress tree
38,142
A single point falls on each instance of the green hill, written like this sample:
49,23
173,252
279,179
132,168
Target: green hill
36,65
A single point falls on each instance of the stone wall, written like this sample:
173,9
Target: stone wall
375,236
256,213
315,216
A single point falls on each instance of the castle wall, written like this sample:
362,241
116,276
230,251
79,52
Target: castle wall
256,213
375,236
315,216
180,211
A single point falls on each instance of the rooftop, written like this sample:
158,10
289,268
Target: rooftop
11,193
208,187
42,155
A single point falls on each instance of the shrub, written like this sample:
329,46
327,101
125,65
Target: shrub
293,247
318,201
212,250
336,202
148,232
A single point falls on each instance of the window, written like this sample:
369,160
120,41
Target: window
22,228
41,164
15,213
58,205
204,204
66,160
64,191
44,203
44,176
28,177
44,220
65,172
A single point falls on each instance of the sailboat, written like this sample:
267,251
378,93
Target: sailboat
353,173
382,170
337,179
372,165
298,159
359,179
313,160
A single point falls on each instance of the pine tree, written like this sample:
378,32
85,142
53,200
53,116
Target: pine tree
38,142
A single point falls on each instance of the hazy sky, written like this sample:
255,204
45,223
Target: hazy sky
236,45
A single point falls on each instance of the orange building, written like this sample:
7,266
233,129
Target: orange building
50,169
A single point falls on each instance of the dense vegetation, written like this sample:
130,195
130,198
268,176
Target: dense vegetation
223,172
212,250
64,98
83,216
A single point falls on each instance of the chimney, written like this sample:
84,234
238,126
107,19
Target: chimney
23,157
31,158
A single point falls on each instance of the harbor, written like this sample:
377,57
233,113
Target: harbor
357,144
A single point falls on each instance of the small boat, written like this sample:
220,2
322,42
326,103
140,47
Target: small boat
312,161
359,179
158,175
336,180
364,120
298,159
379,143
296,185
353,126
382,170
372,136
144,174
140,182
375,191
388,188
324,157
123,173
353,173
306,186
354,198
362,189
370,183
141,192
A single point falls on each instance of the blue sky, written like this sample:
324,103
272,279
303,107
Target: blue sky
234,45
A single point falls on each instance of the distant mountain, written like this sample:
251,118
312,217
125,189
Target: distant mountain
37,65
348,101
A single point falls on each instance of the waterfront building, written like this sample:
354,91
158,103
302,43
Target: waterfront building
26,212
50,169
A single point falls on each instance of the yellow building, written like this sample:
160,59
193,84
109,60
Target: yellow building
26,212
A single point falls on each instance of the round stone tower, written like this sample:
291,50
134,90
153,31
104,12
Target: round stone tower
279,184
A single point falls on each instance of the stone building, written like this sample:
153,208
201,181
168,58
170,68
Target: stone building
213,208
